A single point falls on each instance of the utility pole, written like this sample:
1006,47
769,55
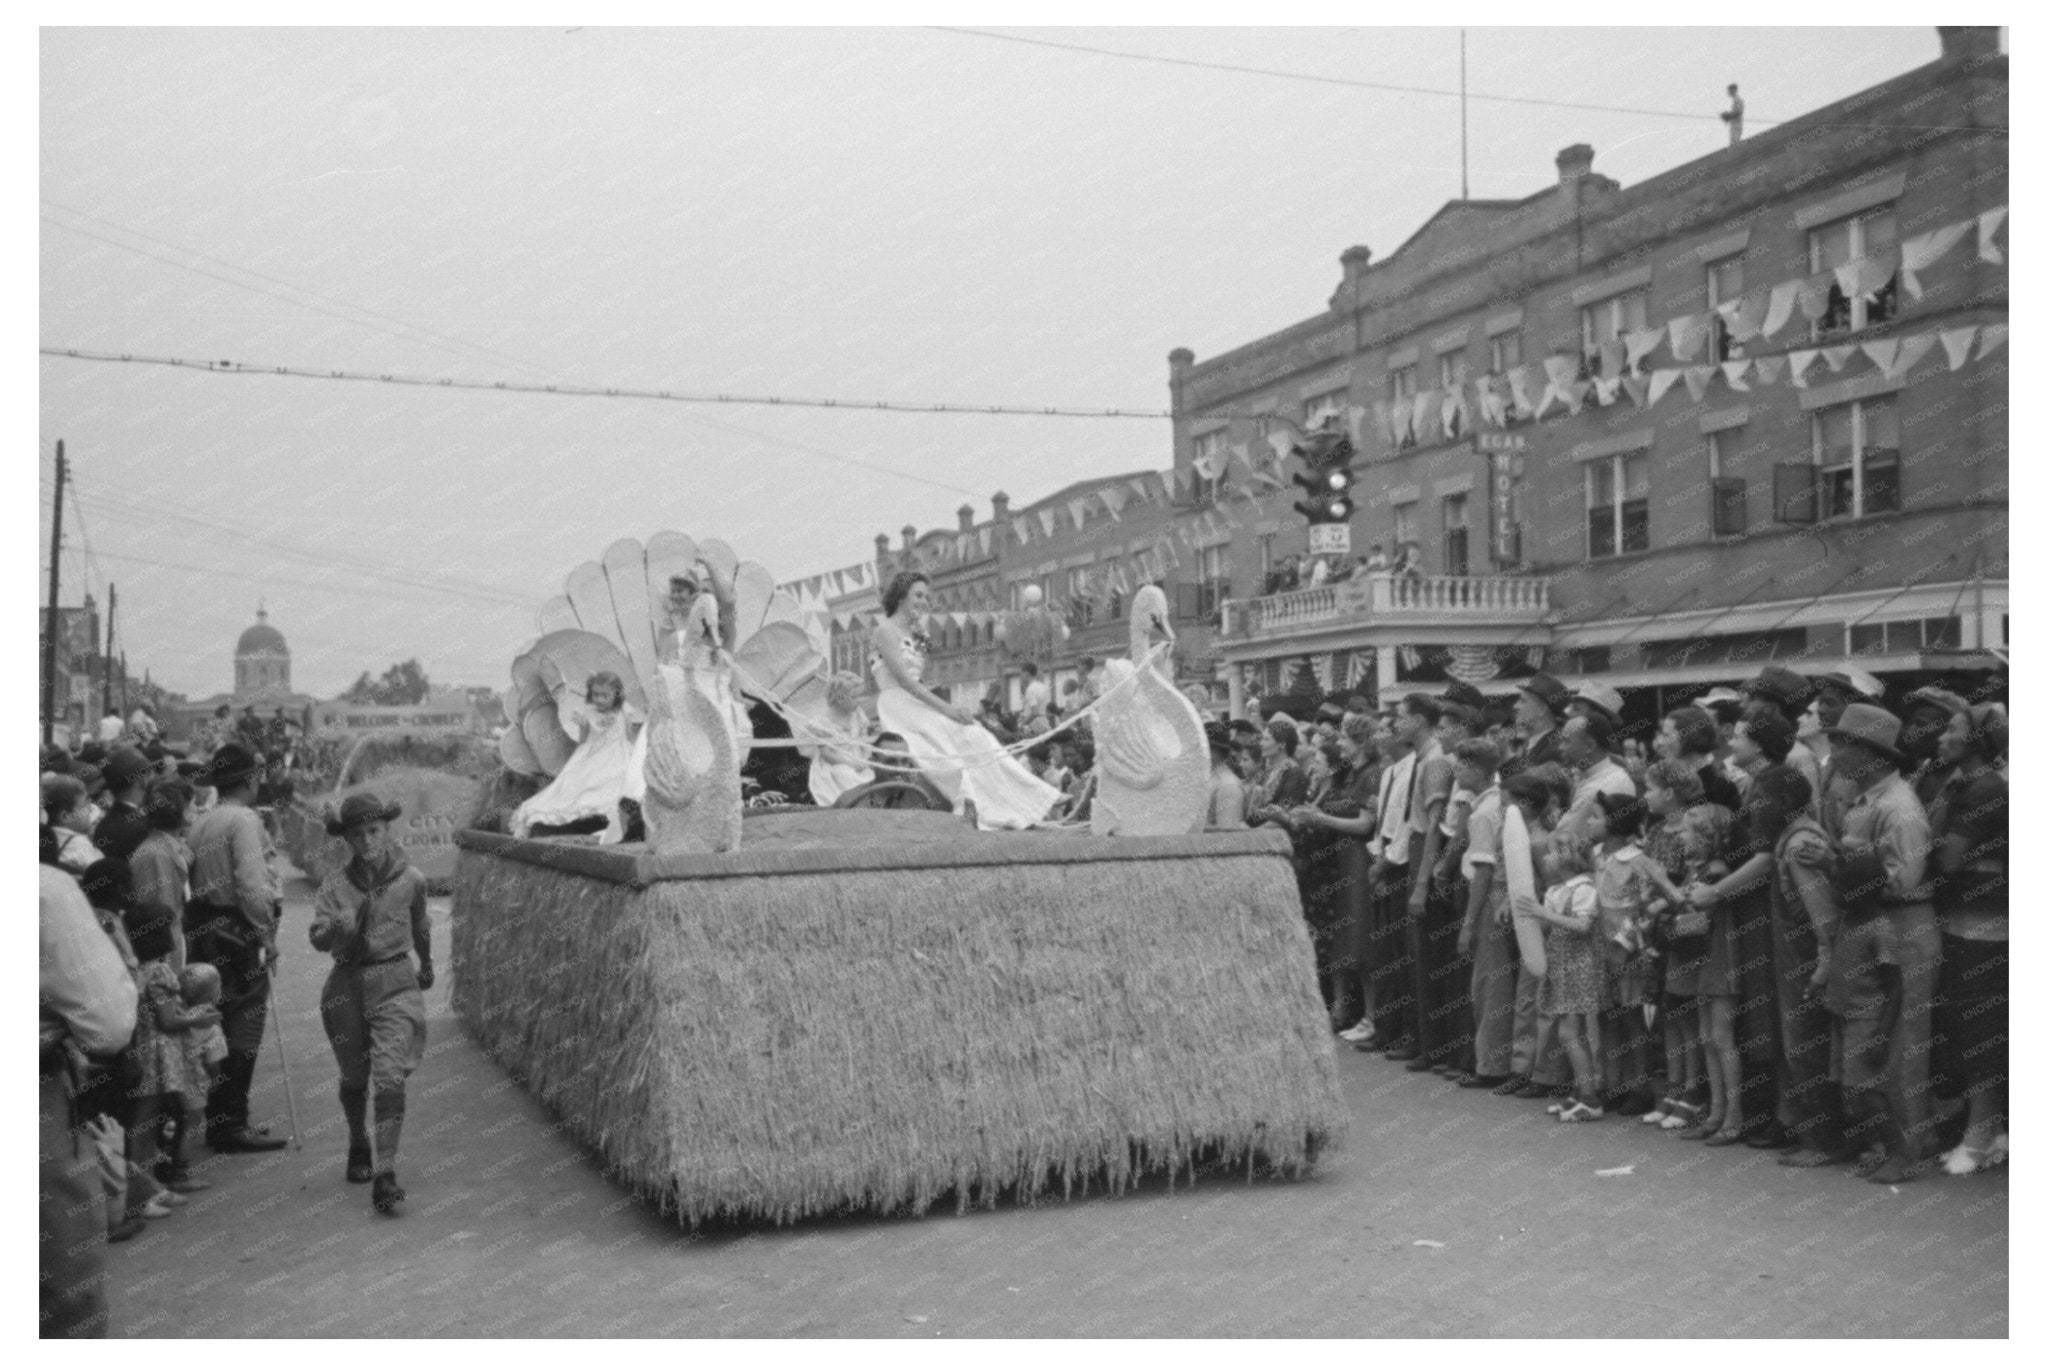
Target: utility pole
107,661
50,623
1464,153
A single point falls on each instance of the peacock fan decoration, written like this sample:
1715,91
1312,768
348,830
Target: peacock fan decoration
619,615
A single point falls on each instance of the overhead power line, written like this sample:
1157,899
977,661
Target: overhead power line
1332,80
600,391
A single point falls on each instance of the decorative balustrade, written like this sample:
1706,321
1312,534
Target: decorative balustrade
1385,597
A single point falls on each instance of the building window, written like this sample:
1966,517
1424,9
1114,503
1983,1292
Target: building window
1504,353
1617,506
1456,530
1324,405
1404,530
1724,285
1450,376
1210,453
1727,498
1212,580
1856,458
1401,387
1609,321
1838,244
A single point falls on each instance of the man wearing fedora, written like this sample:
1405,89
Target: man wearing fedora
1889,937
231,924
371,916
1787,693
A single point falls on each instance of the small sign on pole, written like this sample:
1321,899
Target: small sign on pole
1329,540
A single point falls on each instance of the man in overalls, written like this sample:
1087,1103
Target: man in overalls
371,915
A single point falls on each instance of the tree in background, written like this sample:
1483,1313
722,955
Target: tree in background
403,684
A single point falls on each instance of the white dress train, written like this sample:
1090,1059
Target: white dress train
963,761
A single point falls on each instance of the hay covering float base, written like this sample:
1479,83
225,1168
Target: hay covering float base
874,1009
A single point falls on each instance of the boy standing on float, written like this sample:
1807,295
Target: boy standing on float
371,915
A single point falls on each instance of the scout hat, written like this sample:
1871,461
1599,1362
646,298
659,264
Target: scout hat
1873,727
1329,710
231,763
1547,690
1939,697
1853,686
1780,684
361,809
1602,697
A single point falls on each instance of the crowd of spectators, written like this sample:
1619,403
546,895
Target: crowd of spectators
1784,925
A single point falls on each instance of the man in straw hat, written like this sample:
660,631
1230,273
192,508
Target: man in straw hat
371,916
231,925
1889,939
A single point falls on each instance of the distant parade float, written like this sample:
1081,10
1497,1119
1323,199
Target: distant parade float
785,1012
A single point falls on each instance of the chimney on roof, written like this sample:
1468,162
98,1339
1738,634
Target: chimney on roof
909,539
1963,42
966,516
1354,260
1574,162
999,506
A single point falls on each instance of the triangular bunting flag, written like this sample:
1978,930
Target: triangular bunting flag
1875,271
1838,356
1023,536
1428,407
1912,350
1987,224
1883,353
1992,337
1783,298
1747,318
1768,368
1688,334
1048,520
1354,425
1113,499
984,536
1918,253
1493,406
1641,342
1732,371
1696,377
1661,382
1282,442
1077,508
1519,379
1638,387
1798,361
1956,341
1561,371
1813,295
1575,395
1606,391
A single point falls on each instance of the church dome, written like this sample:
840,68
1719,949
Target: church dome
261,638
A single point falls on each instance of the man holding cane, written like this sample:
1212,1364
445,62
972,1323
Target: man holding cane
231,924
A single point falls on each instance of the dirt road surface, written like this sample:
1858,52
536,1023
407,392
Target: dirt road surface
1447,1213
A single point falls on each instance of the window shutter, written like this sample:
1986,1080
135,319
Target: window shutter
1795,493
1730,506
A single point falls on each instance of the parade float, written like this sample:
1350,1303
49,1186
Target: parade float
774,1014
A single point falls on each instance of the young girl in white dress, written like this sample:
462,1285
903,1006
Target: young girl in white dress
837,768
592,781
959,756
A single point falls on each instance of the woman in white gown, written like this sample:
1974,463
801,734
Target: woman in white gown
837,768
960,757
592,781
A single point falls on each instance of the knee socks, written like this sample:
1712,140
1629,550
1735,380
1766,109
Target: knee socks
353,1106
390,1124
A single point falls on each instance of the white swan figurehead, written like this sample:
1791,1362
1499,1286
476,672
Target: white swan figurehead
1149,747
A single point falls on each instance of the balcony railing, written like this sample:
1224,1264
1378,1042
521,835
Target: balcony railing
1383,597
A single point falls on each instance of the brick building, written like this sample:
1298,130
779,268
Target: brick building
1752,408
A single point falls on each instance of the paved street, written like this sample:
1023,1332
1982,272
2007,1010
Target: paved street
1448,1213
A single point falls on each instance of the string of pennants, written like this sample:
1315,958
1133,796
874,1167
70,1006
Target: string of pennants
1758,314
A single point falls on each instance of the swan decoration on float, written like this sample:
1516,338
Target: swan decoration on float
1151,755
629,613
691,788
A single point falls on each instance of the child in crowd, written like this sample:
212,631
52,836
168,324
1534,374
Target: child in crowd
166,1082
1571,983
1623,889
1670,788
1059,770
1703,832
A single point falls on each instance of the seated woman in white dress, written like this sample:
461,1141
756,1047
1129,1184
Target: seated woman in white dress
959,756
588,788
837,769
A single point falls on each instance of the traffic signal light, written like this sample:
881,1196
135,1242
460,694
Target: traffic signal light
1328,456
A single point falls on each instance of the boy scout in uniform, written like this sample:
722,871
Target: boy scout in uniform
371,915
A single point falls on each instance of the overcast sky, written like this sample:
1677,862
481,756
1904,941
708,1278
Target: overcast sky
905,214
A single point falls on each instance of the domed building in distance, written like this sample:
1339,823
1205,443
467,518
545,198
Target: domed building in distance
263,683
